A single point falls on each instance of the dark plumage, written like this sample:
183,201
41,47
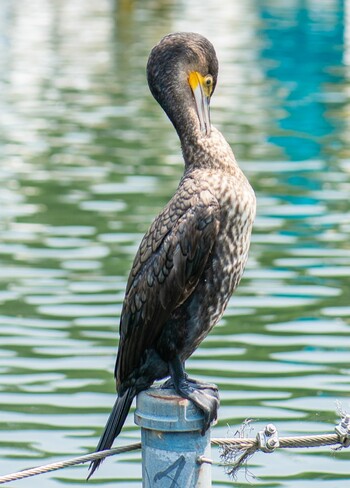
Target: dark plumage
192,257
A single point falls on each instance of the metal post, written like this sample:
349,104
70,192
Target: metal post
172,444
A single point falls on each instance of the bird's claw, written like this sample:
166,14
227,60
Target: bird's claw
208,403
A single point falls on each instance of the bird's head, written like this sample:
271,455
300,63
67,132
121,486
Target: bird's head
182,73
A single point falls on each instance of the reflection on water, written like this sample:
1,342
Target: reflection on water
87,159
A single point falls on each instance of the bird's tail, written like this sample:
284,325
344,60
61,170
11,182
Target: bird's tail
114,425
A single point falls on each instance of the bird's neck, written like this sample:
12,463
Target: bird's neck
199,149
208,151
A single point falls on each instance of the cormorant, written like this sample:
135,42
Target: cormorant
193,255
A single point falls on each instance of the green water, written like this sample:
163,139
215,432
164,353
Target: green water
87,159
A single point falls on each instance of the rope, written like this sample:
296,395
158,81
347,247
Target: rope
26,473
235,452
310,441
231,447
285,442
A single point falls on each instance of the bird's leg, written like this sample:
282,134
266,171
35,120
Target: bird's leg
200,385
206,399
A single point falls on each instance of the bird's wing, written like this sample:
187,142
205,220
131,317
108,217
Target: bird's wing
167,267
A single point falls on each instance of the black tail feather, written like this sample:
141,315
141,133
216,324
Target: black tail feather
114,425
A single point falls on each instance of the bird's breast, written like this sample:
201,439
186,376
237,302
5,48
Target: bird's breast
230,253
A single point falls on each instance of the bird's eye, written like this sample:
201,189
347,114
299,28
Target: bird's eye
209,84
208,80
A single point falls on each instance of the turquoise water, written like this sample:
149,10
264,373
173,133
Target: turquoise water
87,159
